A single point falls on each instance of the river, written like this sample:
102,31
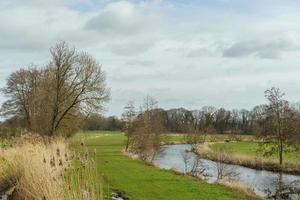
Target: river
263,183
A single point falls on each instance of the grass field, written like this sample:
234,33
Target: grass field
251,149
180,138
143,182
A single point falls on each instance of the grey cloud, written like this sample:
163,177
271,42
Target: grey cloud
262,49
140,62
130,49
200,52
139,77
123,18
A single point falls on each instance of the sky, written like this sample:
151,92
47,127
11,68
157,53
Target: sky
223,53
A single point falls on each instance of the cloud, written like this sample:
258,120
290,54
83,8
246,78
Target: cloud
144,63
271,49
130,49
124,18
200,52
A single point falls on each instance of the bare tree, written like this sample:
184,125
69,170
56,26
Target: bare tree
128,118
282,122
78,82
53,99
148,127
275,110
21,93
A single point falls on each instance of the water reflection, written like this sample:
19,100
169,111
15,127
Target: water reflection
264,183
283,190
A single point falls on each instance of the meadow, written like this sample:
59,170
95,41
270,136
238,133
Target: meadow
181,138
251,149
140,181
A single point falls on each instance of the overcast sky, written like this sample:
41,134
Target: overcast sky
184,53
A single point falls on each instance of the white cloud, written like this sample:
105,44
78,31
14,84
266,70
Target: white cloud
124,18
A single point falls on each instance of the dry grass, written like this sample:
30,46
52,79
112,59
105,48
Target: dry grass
38,167
42,168
240,188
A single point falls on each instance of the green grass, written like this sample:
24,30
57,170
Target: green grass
143,182
251,149
4,143
180,138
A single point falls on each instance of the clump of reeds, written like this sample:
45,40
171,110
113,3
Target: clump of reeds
36,168
83,182
44,169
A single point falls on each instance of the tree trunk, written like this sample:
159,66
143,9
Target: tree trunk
280,152
127,144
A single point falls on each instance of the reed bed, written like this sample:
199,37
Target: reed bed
83,182
44,169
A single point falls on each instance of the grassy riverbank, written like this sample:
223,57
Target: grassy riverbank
246,153
143,182
252,149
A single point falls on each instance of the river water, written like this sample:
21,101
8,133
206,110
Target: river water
263,183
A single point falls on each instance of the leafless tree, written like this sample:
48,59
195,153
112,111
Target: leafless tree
282,122
53,99
147,130
20,90
128,118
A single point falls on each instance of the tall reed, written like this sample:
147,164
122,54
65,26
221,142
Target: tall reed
83,180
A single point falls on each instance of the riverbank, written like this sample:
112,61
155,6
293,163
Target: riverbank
137,180
207,151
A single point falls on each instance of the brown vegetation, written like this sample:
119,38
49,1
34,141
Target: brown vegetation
238,187
38,167
44,168
144,130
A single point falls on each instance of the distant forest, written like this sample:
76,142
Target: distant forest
209,119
